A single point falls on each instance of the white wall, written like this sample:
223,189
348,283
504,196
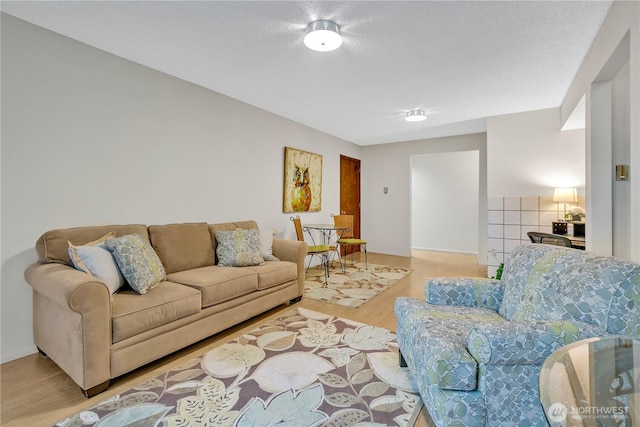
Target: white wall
444,190
389,165
622,21
528,155
90,138
600,179
621,196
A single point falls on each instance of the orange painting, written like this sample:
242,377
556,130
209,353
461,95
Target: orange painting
302,181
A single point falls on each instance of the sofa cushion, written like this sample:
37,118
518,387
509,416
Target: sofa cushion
182,246
624,317
53,246
218,284
132,314
238,248
94,259
562,284
138,262
437,335
274,273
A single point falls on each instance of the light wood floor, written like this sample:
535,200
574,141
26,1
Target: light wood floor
35,392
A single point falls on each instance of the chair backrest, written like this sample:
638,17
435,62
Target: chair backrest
548,239
340,221
546,282
298,226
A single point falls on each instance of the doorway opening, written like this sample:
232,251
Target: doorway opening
350,193
445,190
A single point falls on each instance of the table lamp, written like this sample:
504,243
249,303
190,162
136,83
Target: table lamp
563,195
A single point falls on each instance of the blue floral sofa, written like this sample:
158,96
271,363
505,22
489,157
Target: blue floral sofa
476,345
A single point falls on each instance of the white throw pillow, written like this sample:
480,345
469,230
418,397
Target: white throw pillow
94,258
266,245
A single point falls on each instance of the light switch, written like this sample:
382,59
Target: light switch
385,190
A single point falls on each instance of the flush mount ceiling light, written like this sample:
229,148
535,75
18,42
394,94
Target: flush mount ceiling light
416,116
323,36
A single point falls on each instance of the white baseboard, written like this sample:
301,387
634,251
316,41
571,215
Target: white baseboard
18,354
445,250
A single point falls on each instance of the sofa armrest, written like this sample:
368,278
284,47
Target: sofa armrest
464,291
72,321
60,283
515,343
294,251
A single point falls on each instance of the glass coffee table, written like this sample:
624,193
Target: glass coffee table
594,382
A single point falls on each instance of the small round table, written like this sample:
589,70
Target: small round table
594,382
328,230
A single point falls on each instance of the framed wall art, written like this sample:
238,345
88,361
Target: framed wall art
302,191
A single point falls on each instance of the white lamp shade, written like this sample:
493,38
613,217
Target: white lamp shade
323,36
565,195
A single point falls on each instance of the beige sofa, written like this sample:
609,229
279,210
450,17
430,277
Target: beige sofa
95,336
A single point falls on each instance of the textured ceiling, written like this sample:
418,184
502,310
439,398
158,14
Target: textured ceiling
461,61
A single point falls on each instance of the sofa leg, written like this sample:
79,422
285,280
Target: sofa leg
296,299
96,389
403,362
42,353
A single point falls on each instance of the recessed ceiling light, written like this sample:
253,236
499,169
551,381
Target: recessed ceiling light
323,36
416,116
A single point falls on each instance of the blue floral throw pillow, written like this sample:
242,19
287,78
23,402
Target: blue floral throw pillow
138,262
238,248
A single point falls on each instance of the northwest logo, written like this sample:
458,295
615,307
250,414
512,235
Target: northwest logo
557,412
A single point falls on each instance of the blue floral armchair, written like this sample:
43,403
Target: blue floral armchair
476,345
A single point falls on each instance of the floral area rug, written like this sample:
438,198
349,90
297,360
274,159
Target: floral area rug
302,369
353,287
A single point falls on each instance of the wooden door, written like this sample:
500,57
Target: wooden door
350,192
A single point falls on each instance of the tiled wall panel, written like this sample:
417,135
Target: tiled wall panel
510,218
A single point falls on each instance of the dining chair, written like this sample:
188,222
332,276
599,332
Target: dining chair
321,251
549,239
333,244
347,238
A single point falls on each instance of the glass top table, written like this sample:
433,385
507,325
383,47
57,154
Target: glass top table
327,230
330,235
594,382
